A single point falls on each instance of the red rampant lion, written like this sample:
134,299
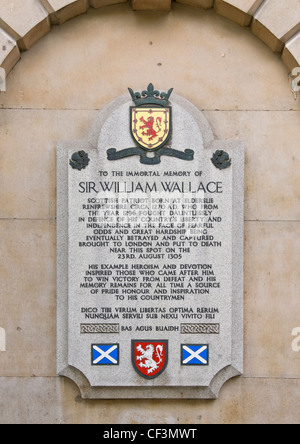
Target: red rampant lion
151,133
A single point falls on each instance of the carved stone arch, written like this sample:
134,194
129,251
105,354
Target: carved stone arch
275,22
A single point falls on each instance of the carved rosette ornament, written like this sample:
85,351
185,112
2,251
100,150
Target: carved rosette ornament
79,160
221,160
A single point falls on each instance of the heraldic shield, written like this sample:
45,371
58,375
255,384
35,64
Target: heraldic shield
151,126
151,129
150,358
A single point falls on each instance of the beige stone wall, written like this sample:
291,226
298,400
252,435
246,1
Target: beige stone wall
54,93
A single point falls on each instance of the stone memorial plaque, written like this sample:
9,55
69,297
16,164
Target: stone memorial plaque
150,253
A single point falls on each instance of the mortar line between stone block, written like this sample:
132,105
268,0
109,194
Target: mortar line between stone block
99,109
244,376
275,220
26,219
291,378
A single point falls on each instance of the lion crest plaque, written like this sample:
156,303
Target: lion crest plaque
150,245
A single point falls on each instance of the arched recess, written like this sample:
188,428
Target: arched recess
275,22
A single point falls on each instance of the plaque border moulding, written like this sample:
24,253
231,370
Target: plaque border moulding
220,159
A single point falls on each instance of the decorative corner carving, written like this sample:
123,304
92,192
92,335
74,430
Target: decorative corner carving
80,160
221,160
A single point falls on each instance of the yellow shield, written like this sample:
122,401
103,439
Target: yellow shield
151,126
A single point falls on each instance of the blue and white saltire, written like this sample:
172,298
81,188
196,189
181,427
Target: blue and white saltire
106,354
194,354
